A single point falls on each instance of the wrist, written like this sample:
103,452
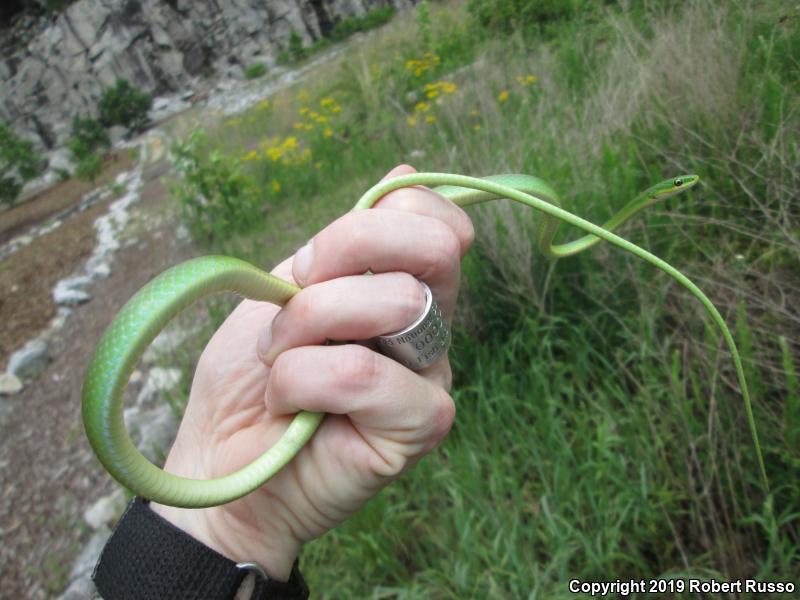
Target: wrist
217,528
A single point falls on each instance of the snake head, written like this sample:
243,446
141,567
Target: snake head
670,187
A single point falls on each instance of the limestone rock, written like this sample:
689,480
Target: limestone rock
9,384
81,586
29,359
68,291
153,430
158,380
106,510
54,69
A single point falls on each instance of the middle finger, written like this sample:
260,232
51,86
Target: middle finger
385,241
343,309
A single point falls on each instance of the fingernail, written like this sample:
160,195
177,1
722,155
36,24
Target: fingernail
302,262
264,341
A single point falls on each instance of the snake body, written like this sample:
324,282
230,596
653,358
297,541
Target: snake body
150,309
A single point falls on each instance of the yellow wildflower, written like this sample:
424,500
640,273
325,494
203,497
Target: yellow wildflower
336,109
276,186
252,155
412,121
422,107
448,87
328,132
418,66
430,119
326,102
502,96
525,80
277,150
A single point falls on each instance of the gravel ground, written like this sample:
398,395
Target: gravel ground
48,473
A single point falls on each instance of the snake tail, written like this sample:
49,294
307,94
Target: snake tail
120,348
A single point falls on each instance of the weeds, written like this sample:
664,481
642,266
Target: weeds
19,163
216,196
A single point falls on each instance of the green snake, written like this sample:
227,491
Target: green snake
148,312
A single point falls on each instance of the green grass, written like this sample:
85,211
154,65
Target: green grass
600,433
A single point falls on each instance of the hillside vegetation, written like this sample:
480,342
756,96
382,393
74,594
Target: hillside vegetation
600,431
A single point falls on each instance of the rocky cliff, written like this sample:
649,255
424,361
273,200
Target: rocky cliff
55,67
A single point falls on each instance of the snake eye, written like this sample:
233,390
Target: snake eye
678,182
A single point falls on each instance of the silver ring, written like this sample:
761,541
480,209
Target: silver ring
422,343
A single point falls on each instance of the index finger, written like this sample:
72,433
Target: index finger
424,201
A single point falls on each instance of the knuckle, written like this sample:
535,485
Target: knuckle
403,199
348,228
357,367
300,308
281,376
409,294
444,416
447,247
465,231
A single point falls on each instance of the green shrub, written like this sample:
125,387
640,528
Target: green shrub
19,163
372,19
57,6
296,49
124,105
216,196
509,15
255,71
89,167
91,132
88,139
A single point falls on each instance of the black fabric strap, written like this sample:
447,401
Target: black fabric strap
147,557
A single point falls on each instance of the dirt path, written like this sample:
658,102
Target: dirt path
48,474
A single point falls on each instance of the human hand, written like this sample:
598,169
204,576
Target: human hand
264,364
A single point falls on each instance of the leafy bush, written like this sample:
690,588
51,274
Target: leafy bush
19,163
89,167
508,15
296,49
255,71
216,196
372,19
88,137
125,105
